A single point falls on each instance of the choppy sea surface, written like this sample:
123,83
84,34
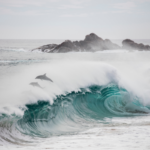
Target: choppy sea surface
96,101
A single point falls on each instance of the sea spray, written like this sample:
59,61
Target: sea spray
85,94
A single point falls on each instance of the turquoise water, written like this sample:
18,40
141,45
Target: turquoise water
79,110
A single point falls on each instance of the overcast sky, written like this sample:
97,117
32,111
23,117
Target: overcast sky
73,19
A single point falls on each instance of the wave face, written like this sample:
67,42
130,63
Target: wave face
76,111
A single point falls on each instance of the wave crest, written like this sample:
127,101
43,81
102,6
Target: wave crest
76,111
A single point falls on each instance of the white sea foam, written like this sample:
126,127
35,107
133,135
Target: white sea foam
13,49
70,76
70,72
66,77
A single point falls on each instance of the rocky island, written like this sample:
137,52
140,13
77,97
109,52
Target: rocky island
131,45
91,43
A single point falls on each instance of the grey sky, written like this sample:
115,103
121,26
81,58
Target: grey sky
73,19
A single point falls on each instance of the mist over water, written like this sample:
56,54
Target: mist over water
27,45
95,100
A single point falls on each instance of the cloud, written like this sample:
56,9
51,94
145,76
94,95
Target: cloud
125,5
89,14
70,7
5,11
79,2
141,1
21,3
39,7
75,15
8,11
116,12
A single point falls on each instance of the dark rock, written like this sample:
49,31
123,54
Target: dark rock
52,46
110,45
92,37
131,45
65,47
91,43
46,48
147,47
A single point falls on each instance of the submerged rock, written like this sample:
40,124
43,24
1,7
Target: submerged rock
91,43
131,45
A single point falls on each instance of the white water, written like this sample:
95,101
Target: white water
70,72
73,71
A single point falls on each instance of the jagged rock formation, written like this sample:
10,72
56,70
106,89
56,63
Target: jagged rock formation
131,45
91,43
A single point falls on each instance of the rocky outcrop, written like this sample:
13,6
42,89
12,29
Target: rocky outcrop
91,43
46,48
65,47
131,45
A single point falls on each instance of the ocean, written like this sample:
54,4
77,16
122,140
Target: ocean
97,100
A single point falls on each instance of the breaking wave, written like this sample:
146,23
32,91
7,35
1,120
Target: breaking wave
74,111
73,103
78,110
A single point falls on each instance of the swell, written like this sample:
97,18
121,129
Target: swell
76,111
